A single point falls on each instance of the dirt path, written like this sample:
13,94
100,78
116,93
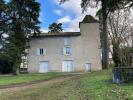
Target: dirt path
36,84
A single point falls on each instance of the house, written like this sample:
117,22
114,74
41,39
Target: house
66,51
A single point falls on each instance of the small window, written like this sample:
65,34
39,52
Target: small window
41,51
67,51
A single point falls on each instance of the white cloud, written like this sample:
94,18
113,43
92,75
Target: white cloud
74,7
58,12
65,19
69,30
44,30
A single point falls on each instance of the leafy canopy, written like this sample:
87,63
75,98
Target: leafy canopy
55,28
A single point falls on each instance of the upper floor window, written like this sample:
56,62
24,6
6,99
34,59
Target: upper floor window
67,50
41,51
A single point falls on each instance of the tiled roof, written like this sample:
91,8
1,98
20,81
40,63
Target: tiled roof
62,34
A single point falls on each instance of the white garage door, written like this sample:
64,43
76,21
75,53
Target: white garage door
88,67
67,66
44,67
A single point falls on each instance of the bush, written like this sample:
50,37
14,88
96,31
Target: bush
5,65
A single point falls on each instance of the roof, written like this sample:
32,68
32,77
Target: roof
88,19
61,34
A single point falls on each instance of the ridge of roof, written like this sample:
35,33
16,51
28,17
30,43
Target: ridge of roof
61,34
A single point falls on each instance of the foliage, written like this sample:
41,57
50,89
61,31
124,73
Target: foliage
3,21
5,65
55,28
115,55
21,20
120,34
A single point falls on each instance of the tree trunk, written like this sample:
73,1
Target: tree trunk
104,35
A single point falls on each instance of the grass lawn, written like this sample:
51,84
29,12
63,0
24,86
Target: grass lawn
67,90
94,85
25,78
98,86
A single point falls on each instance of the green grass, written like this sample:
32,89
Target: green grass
94,85
98,86
26,78
67,90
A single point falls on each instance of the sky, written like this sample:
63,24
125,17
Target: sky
69,14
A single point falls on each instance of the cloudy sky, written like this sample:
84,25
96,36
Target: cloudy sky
69,14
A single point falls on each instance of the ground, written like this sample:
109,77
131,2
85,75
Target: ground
88,86
26,78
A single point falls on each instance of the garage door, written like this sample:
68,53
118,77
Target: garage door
44,67
67,66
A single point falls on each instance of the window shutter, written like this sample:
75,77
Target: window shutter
38,51
63,67
44,51
70,50
64,51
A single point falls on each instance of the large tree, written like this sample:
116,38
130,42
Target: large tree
121,37
3,21
22,22
107,6
55,28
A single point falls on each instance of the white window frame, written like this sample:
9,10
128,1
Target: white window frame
41,53
65,51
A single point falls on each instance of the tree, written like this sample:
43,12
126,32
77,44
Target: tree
23,21
55,27
3,21
107,6
121,37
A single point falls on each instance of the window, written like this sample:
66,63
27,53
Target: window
41,51
67,51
